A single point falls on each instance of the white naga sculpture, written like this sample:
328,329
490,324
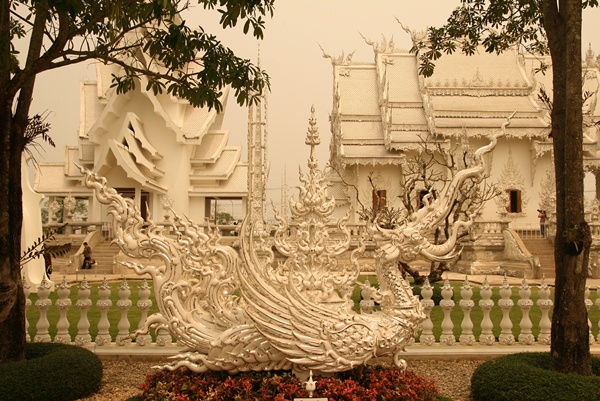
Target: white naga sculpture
292,314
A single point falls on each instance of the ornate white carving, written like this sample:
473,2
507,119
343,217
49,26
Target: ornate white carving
53,208
296,313
408,240
510,180
547,193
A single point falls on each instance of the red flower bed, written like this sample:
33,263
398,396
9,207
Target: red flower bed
360,384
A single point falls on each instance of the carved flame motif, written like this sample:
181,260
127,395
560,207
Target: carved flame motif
297,307
408,241
311,252
194,281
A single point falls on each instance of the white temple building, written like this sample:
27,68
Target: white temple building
384,112
157,149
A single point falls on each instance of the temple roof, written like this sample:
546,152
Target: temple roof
144,135
50,179
388,101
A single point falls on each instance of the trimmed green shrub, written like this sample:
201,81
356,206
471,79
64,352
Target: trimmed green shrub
51,372
527,377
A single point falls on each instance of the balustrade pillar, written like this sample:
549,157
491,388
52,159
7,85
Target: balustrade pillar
588,305
27,292
64,303
526,336
447,304
144,304
124,304
545,304
83,304
427,336
598,306
486,304
506,304
43,303
103,303
367,305
163,336
466,304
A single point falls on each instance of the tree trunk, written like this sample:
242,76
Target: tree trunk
570,333
12,298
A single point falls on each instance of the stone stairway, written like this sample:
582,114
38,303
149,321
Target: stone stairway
544,250
102,252
104,255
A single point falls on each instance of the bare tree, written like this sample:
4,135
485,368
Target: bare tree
423,175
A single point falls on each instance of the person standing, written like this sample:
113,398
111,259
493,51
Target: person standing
542,216
87,256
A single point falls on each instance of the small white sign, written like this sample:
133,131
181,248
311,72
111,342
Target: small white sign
312,399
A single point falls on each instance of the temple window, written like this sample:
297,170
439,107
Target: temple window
514,201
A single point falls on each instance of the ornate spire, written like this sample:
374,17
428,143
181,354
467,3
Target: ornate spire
258,166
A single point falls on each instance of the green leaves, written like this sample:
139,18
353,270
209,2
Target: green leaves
147,39
251,11
496,25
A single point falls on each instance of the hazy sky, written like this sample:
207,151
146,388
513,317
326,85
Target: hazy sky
300,76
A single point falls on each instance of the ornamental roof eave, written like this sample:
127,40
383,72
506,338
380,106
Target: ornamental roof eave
186,133
235,186
108,114
373,161
125,160
50,180
210,149
478,131
221,170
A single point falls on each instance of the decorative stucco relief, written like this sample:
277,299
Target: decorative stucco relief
547,194
510,180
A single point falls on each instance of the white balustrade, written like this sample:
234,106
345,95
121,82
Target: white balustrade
367,305
124,304
27,291
598,306
466,304
526,336
162,338
447,304
103,303
545,304
83,304
64,303
506,304
43,304
486,304
144,304
427,336
588,305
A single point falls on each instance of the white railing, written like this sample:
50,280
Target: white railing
467,333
